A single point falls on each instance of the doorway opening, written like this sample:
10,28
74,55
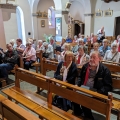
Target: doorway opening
117,29
76,29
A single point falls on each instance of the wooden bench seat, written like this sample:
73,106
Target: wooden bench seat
35,104
50,85
11,111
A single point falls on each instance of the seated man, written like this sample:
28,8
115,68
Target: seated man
104,48
10,59
94,75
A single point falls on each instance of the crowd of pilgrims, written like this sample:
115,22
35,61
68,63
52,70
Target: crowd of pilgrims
93,73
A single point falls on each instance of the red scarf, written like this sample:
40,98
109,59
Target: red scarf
119,48
86,76
79,57
64,63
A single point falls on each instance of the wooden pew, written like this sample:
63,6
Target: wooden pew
50,85
49,65
112,67
11,111
33,102
38,64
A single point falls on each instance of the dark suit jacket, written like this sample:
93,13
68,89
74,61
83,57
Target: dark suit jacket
72,73
102,80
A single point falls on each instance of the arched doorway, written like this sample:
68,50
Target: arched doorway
78,27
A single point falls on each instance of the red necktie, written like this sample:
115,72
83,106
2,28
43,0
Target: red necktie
79,57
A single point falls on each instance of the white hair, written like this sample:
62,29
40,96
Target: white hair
12,40
51,38
113,44
40,41
45,44
80,40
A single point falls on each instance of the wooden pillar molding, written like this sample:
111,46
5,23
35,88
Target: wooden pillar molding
2,33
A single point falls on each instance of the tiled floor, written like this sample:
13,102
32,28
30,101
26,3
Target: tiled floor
27,86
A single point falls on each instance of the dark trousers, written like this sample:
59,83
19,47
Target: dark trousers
27,64
4,68
87,112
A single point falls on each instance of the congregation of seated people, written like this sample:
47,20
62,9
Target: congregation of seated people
93,73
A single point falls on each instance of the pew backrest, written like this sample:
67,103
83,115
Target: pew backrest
51,85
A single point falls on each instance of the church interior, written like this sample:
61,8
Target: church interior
59,59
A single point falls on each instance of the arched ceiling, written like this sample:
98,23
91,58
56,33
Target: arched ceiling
34,4
85,3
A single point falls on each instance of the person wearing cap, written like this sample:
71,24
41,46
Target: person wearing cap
48,51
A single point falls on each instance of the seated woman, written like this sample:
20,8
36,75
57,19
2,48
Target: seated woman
93,39
82,58
67,48
75,39
63,44
48,51
67,72
118,42
53,43
40,46
29,56
95,47
113,54
32,42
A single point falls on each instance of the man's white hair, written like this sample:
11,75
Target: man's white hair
80,40
95,52
45,44
12,40
113,44
40,41
51,38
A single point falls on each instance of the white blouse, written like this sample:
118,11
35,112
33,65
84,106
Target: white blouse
109,55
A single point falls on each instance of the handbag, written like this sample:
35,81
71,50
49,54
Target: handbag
46,55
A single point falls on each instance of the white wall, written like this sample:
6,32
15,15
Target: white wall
10,24
77,11
107,22
44,5
25,6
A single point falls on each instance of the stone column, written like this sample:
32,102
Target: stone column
89,24
2,32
